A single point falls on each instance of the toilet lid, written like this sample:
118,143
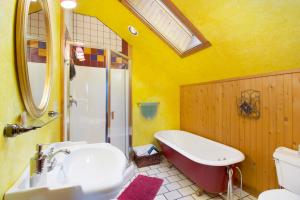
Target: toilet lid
280,194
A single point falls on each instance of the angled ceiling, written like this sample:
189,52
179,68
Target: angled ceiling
247,37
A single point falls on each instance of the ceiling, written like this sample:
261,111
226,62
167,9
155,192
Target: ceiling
247,37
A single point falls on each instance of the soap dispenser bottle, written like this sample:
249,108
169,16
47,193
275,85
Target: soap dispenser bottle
38,176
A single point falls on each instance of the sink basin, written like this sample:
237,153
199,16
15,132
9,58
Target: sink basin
90,172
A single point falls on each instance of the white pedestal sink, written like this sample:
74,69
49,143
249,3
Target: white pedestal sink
90,172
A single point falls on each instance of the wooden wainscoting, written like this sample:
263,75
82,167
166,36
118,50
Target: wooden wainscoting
210,110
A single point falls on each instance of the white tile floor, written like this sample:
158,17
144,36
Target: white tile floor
177,186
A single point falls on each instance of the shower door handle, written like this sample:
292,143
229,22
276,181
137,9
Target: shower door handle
112,115
72,101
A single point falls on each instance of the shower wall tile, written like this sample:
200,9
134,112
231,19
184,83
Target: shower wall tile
36,51
96,58
94,34
93,57
36,25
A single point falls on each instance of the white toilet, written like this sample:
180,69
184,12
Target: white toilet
287,164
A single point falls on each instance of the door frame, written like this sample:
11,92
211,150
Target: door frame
108,99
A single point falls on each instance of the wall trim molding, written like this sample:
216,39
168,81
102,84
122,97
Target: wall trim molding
274,73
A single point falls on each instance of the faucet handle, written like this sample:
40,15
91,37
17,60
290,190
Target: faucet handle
51,150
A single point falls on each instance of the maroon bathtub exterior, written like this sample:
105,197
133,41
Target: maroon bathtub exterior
212,179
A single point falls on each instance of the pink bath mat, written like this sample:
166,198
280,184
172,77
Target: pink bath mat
141,188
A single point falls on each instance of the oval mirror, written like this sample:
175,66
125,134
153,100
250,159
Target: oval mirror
33,48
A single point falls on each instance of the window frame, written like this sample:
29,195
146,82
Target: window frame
184,20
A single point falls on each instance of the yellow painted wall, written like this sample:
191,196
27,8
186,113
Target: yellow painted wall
253,37
248,37
151,79
16,152
152,84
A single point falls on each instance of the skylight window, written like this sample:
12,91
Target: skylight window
169,23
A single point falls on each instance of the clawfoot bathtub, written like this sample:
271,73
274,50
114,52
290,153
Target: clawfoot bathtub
202,160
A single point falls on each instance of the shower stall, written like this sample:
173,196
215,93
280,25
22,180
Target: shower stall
99,107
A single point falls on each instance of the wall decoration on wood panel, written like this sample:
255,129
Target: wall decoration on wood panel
249,104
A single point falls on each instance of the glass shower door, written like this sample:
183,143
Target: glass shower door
100,103
88,105
119,98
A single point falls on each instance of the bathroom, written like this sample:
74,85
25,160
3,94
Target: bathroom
208,90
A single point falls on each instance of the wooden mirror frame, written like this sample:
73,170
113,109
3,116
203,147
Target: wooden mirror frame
34,110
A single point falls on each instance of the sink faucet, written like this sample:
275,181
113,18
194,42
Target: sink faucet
49,159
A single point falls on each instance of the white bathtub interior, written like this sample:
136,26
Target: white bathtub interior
200,149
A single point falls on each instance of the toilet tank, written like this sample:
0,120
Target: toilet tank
287,163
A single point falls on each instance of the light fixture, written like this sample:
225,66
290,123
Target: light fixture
68,4
133,31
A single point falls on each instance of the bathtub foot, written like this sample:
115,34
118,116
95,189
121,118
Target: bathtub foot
199,192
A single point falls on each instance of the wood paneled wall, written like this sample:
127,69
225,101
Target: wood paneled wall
210,110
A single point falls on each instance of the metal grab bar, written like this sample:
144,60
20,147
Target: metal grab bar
13,130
